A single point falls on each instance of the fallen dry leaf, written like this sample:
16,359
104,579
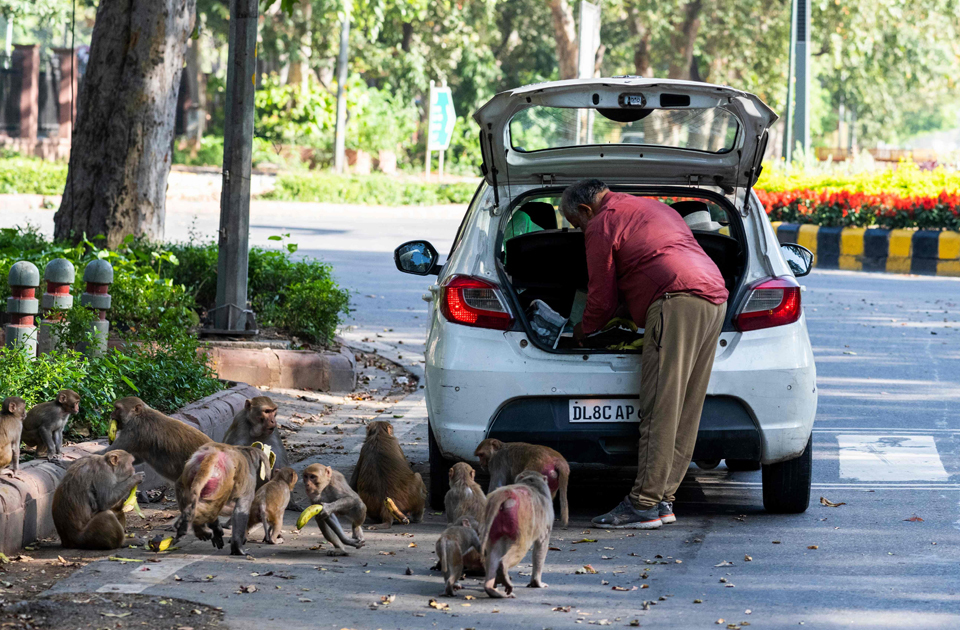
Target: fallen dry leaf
117,615
623,588
828,503
748,559
563,609
719,621
725,563
252,588
698,601
813,546
555,549
635,623
439,605
469,597
412,545
387,599
586,569
914,519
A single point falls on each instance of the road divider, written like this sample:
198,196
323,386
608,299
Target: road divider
926,252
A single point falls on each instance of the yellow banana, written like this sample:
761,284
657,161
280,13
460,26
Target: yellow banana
112,431
131,505
308,514
158,543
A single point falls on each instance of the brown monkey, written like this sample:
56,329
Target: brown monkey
518,516
220,479
11,425
382,473
505,461
269,503
150,436
44,425
328,487
88,503
257,422
455,543
465,496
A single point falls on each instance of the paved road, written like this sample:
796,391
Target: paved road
887,443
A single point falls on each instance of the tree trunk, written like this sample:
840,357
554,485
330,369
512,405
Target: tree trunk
565,31
117,178
684,41
641,54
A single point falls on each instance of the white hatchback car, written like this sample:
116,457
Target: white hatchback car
491,373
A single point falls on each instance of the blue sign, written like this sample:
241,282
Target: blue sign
443,118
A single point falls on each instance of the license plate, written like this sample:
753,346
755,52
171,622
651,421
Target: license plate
605,410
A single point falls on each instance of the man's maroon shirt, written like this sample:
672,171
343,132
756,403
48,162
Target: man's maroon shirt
640,248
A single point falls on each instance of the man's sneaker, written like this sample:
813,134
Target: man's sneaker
666,512
625,516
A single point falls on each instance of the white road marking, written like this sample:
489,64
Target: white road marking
890,458
151,574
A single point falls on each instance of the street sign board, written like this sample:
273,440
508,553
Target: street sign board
443,118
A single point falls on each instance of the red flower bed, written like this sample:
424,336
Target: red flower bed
844,208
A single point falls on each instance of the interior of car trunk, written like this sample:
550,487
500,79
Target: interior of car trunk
545,259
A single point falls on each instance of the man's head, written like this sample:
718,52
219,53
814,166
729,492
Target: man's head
581,201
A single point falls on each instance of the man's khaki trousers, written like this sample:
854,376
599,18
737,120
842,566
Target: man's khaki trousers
680,341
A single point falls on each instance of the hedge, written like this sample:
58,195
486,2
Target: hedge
368,189
843,208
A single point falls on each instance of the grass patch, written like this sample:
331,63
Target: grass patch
368,190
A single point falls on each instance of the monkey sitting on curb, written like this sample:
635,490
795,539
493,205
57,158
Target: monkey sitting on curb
505,461
454,544
329,489
518,516
269,503
88,503
220,479
383,477
45,422
11,426
150,436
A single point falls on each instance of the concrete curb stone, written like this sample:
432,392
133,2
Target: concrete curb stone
25,504
288,369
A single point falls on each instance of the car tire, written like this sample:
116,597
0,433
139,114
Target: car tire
786,485
742,465
439,473
707,464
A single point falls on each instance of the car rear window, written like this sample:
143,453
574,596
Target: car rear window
540,128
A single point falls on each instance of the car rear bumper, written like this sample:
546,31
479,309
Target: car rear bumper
761,400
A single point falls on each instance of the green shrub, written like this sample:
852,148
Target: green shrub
31,176
368,189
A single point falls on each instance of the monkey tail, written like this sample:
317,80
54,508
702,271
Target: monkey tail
564,469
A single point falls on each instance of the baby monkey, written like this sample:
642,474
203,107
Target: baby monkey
455,543
269,503
329,489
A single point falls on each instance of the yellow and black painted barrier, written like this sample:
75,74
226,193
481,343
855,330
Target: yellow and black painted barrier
927,252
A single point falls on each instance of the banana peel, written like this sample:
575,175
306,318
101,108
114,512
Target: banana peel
621,322
395,511
633,345
158,543
308,514
112,431
131,505
271,456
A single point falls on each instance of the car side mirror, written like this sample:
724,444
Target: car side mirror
798,257
417,257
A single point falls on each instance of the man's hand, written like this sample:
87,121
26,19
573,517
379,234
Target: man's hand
578,334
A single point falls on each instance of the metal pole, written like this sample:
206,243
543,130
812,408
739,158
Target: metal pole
788,113
429,122
801,121
231,314
339,151
8,38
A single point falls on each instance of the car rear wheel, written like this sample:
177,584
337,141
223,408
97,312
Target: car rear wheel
741,465
439,473
786,485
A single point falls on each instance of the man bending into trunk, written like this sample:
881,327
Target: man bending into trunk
641,249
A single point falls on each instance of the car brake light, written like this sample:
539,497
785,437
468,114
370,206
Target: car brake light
474,302
771,302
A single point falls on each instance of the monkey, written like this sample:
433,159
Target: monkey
88,503
328,488
465,496
44,425
257,422
269,503
382,473
505,461
11,426
220,479
517,517
454,544
150,436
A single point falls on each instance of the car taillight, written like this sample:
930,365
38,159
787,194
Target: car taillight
474,302
771,302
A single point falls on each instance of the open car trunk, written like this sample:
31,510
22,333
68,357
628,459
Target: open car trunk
547,266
